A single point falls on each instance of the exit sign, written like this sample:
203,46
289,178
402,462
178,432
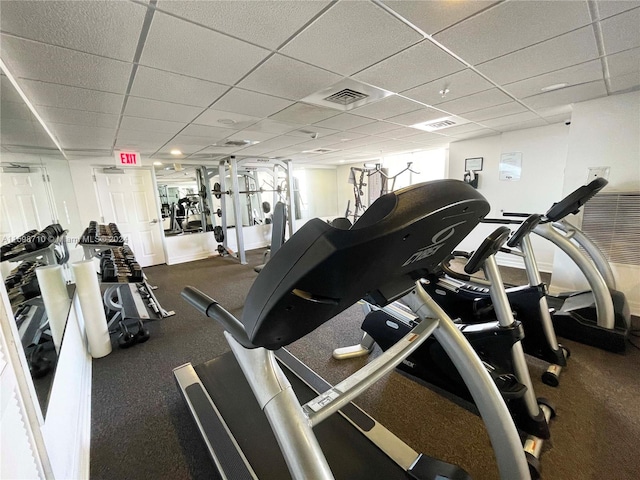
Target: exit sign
128,159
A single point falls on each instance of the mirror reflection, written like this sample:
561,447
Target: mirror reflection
37,209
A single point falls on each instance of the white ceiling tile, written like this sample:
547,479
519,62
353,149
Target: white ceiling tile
607,8
77,136
150,125
288,78
145,108
375,128
272,126
344,121
342,40
303,114
54,95
282,141
425,137
577,93
387,107
511,26
77,117
485,132
266,23
621,32
37,61
142,141
560,52
252,136
16,125
485,99
459,84
401,132
431,17
584,72
177,46
624,82
565,110
419,64
510,119
308,130
216,118
522,125
551,119
418,116
345,136
494,112
250,103
106,28
624,62
460,130
208,131
360,142
190,144
217,150
171,87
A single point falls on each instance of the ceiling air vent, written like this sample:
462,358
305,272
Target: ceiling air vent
235,143
440,123
319,150
346,97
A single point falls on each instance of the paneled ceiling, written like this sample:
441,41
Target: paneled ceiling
203,77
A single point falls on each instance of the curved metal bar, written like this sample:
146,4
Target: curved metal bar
594,252
604,303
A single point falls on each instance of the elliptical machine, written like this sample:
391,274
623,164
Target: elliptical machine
468,298
497,342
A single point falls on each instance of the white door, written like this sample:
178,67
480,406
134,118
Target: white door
24,204
129,201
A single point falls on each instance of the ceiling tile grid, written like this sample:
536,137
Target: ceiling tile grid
341,39
216,70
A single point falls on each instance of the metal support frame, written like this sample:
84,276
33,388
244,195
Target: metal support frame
235,166
602,264
604,303
292,422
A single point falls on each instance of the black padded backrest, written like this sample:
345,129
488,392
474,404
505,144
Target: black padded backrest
576,199
278,227
321,270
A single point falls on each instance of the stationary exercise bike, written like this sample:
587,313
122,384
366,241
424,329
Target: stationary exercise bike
466,297
497,342
244,404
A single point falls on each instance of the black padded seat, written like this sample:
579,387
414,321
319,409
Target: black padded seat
323,270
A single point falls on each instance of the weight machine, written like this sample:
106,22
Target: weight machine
387,184
234,167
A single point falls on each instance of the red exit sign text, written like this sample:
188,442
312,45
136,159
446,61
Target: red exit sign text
128,159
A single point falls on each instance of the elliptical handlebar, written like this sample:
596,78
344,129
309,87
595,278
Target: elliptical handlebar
489,246
212,309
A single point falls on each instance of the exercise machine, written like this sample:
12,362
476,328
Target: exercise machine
467,297
497,342
600,317
244,404
278,232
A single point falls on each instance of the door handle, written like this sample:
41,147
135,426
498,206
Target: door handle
155,220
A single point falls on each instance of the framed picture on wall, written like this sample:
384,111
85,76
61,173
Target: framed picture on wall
473,164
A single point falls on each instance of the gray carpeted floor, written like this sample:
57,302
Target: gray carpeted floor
142,430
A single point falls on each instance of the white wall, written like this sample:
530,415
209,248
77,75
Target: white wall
604,132
544,151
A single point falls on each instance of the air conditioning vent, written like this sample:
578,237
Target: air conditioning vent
236,143
346,97
440,123
319,150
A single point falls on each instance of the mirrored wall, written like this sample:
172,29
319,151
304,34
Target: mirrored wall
37,210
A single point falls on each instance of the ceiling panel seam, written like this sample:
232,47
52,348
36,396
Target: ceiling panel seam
144,32
457,57
307,25
473,15
594,13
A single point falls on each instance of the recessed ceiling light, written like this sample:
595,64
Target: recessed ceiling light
226,121
157,163
175,151
557,86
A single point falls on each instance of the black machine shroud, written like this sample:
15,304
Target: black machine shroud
321,270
